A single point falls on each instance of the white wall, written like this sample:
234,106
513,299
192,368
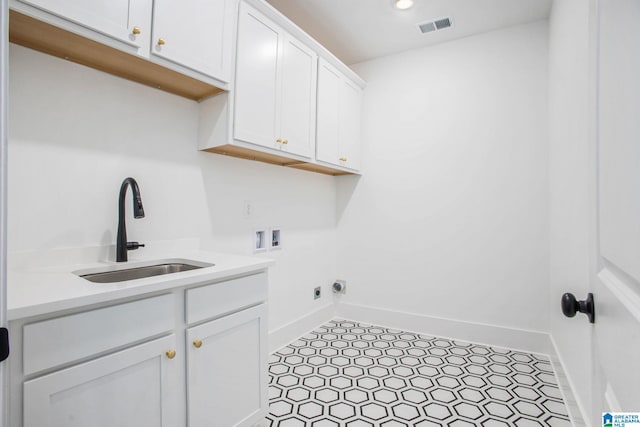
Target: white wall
451,216
76,133
449,220
569,184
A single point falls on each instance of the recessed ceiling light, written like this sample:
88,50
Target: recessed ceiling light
402,4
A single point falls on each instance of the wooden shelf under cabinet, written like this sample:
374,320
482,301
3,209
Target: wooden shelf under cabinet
248,154
43,37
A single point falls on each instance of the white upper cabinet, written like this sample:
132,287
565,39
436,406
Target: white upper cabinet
196,34
286,106
127,21
193,37
274,87
339,118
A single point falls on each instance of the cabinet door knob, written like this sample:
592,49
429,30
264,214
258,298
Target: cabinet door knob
161,41
285,141
197,343
171,354
570,306
343,159
279,140
136,30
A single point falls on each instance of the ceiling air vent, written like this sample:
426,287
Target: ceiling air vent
443,23
438,24
427,27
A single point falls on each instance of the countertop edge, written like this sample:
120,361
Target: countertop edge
53,306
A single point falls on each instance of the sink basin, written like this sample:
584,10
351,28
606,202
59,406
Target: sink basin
140,272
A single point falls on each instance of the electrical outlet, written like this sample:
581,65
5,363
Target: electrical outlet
317,292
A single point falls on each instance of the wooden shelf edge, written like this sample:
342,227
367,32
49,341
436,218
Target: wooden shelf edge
314,167
249,154
46,38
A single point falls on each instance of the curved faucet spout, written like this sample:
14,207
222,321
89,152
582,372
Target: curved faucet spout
122,245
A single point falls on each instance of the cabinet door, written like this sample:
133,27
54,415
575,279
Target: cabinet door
227,370
256,85
196,33
350,125
329,85
298,102
134,387
114,18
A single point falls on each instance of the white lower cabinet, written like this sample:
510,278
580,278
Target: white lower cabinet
226,379
137,364
133,387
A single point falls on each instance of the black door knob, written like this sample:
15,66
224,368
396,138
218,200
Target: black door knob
570,306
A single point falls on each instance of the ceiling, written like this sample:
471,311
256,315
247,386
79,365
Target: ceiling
359,30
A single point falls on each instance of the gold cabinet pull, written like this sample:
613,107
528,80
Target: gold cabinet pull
161,41
279,140
343,159
285,141
197,343
171,354
136,30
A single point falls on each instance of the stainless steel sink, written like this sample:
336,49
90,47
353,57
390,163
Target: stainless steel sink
140,272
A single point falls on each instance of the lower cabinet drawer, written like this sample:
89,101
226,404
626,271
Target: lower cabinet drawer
133,387
207,302
54,342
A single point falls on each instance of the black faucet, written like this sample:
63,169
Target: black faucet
122,246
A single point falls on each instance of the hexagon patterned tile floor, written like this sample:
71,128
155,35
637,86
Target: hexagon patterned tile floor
352,374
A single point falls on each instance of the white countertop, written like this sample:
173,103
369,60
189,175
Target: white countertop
34,291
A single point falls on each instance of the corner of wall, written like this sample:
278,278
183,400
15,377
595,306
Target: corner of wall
283,335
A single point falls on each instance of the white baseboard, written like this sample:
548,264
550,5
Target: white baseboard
498,336
282,336
579,417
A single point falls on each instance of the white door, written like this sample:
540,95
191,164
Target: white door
195,33
256,85
298,101
114,18
339,118
350,125
4,55
329,86
227,370
133,387
616,286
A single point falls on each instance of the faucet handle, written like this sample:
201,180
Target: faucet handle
134,245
